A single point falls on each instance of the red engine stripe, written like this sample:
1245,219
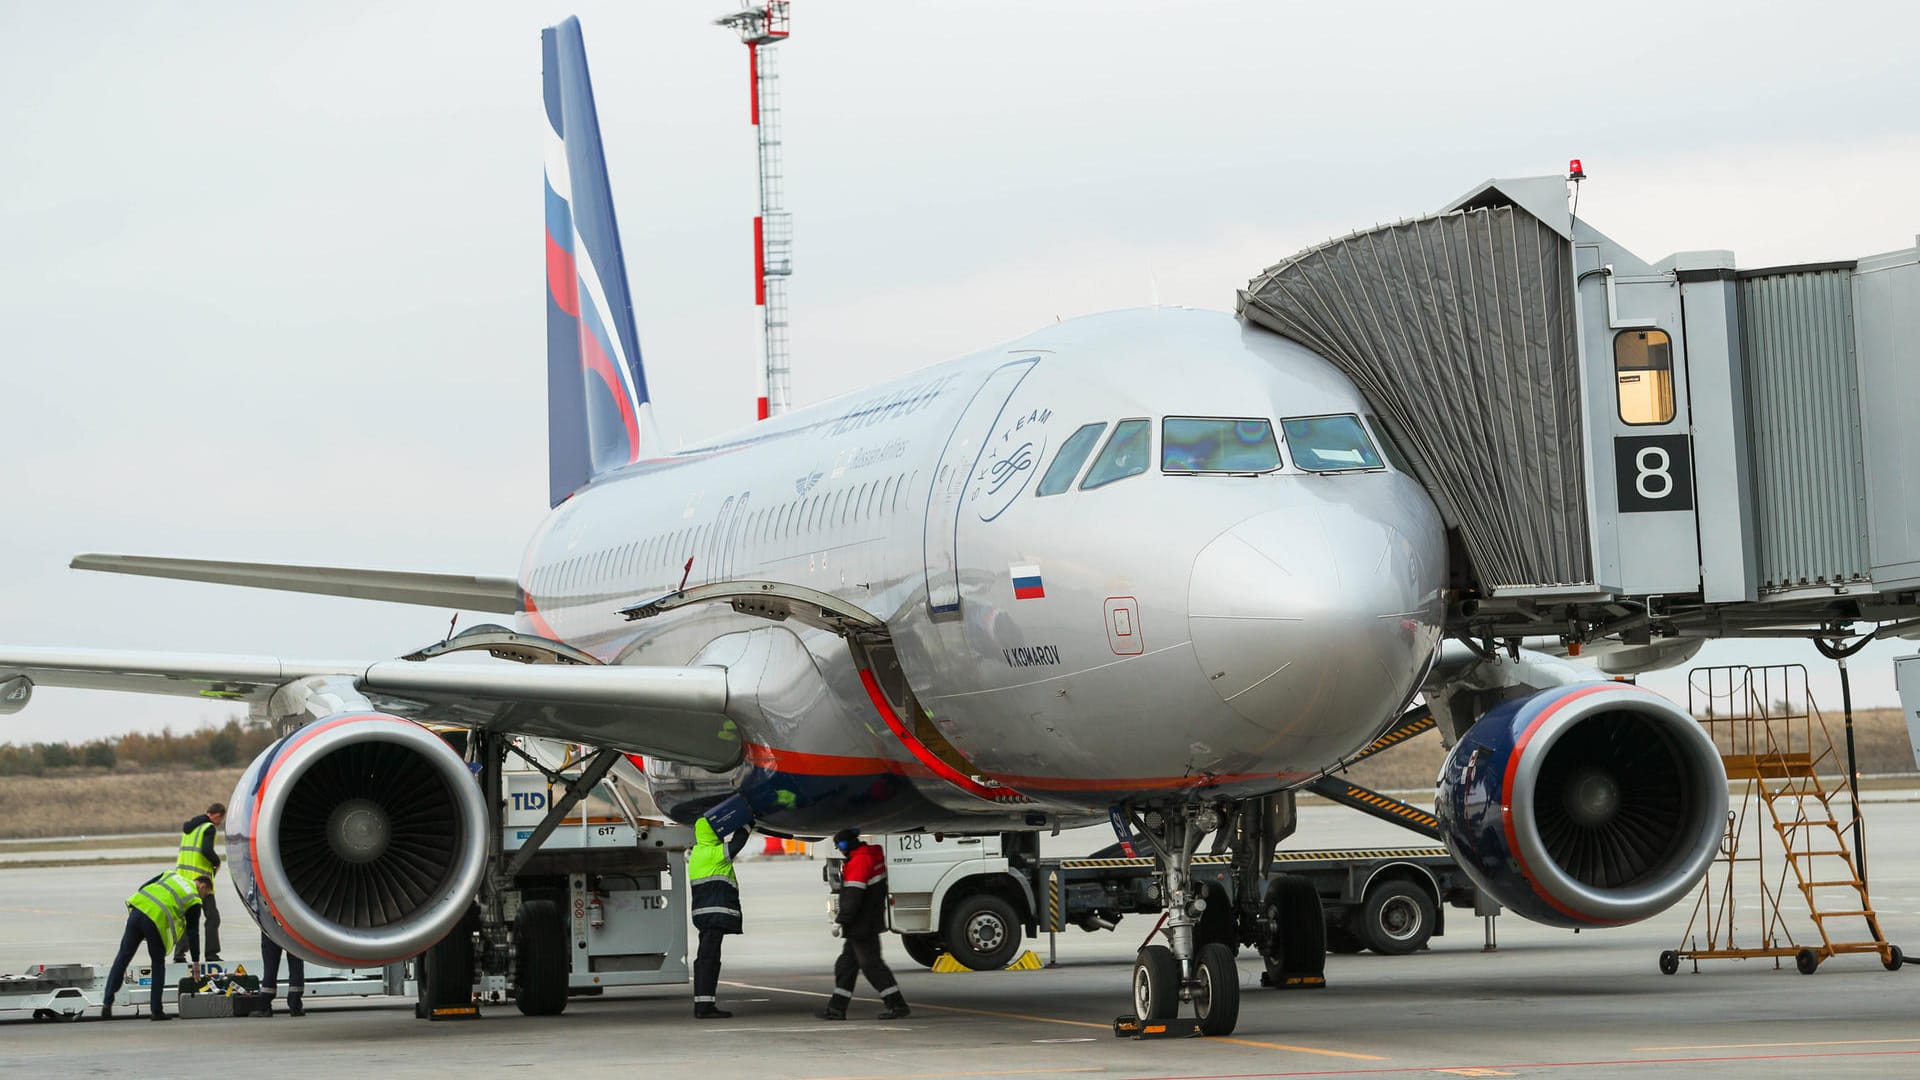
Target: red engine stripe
1506,801
253,823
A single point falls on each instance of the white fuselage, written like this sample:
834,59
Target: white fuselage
1174,631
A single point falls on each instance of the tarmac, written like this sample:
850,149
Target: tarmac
1546,1003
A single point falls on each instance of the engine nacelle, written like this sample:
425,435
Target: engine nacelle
1594,804
359,839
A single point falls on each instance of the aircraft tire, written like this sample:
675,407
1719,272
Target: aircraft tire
924,949
983,932
1397,917
1216,1002
540,975
1156,984
1217,923
443,975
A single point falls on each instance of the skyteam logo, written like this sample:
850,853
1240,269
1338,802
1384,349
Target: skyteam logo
1008,461
1026,582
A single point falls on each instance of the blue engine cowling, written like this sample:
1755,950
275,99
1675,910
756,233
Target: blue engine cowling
360,839
1593,804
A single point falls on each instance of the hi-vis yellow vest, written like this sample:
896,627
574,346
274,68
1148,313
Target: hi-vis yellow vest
166,900
192,861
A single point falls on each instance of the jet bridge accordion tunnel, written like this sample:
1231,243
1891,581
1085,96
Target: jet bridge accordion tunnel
1595,427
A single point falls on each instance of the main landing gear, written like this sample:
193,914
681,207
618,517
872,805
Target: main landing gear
1204,928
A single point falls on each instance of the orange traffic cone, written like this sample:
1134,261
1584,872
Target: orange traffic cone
774,846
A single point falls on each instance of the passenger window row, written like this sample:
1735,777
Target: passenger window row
767,533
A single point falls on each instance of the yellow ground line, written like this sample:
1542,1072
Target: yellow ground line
1075,1023
997,1072
1775,1045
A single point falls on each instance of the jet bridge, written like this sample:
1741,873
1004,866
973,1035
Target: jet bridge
1626,448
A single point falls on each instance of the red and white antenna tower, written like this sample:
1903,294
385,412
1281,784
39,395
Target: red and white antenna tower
761,28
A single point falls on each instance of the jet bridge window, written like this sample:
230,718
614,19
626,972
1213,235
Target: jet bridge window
1066,464
1127,453
1330,443
1643,376
1190,444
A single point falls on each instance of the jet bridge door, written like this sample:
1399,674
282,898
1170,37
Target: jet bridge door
1641,423
950,478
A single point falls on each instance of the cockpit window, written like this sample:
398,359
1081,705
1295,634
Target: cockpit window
1330,443
1066,464
1127,454
1190,444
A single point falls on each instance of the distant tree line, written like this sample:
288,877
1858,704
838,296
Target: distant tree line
202,748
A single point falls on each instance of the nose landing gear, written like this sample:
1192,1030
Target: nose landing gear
1197,961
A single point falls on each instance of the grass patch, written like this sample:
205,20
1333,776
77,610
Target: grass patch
101,803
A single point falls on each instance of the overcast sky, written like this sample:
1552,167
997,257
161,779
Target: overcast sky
271,280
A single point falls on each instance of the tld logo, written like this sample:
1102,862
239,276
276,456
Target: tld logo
529,800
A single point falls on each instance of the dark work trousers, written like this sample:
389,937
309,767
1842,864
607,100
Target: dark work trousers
270,952
862,954
706,966
209,926
139,929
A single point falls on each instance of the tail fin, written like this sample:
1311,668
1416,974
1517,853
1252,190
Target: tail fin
598,416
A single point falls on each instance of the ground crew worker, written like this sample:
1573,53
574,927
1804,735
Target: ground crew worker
716,897
270,952
861,919
162,912
197,860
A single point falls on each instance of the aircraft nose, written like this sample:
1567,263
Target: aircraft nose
1316,621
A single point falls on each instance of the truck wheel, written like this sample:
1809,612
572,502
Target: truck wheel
1156,984
541,972
923,948
1396,918
983,932
1341,940
1216,1000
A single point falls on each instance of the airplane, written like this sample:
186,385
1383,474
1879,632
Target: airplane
1157,567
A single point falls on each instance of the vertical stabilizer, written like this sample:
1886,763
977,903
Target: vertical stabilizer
598,415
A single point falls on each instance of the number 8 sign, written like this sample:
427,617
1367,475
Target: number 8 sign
1653,473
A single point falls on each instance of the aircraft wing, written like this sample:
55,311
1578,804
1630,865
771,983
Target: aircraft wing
466,592
678,713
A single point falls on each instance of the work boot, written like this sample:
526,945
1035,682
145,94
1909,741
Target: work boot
895,1012
266,1007
295,1006
160,1016
831,1014
106,1011
705,1011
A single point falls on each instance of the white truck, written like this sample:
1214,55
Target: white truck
977,897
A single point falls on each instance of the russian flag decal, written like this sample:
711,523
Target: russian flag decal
1026,583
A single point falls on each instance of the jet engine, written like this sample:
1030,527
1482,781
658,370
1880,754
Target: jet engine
1593,804
359,839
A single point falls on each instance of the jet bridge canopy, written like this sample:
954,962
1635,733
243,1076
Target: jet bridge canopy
1460,330
1683,446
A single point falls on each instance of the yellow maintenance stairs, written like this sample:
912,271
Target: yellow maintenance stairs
1792,785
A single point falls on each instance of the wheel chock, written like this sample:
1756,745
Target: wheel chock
1027,961
1132,1027
454,1012
1285,981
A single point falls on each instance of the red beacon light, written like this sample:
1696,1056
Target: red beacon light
1574,171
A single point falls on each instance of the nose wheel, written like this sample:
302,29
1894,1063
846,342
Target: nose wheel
1185,970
